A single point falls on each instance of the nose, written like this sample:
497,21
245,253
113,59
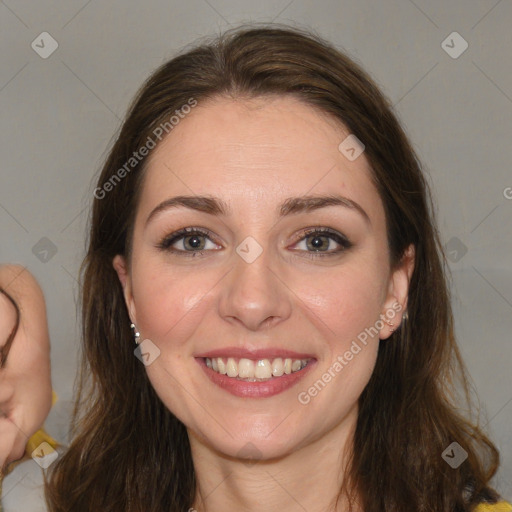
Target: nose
254,294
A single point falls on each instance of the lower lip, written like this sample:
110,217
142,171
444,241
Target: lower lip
262,389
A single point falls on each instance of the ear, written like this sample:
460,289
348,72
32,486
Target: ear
120,266
395,304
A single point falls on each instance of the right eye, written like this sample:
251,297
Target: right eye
191,241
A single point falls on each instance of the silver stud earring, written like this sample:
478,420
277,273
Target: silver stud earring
405,317
136,333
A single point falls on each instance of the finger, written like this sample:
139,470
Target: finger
12,442
8,433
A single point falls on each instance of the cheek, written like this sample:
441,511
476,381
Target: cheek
167,302
346,307
344,302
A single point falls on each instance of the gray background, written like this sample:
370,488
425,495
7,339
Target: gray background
59,115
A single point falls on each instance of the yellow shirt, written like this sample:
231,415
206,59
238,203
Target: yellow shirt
502,506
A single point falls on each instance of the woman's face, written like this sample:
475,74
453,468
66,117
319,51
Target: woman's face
252,284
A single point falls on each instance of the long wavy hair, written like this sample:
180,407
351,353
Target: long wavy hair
128,451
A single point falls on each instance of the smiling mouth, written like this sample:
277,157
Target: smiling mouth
250,370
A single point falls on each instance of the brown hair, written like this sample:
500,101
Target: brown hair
129,452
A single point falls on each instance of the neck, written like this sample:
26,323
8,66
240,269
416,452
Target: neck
308,478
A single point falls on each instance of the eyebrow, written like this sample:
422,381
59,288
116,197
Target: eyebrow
291,206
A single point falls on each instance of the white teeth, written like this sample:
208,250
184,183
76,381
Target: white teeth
231,368
221,365
278,367
250,370
245,368
263,369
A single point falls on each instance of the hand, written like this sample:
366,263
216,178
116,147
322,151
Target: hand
25,382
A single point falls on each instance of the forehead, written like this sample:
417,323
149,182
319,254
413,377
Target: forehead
255,152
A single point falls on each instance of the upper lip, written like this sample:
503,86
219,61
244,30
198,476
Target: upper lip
264,353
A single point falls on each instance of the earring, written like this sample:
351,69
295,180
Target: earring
136,333
391,324
405,317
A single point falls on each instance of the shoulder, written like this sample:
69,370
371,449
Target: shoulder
502,506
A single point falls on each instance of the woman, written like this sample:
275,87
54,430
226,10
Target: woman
25,381
263,231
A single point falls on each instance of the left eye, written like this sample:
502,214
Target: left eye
320,241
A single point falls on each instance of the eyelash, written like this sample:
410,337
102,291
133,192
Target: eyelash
166,243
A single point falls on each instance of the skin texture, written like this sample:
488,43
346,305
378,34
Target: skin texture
25,381
254,154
